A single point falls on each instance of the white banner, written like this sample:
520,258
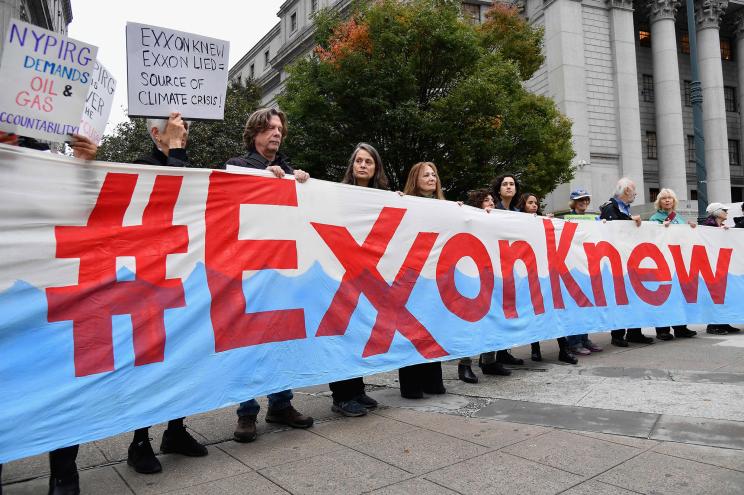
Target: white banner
98,103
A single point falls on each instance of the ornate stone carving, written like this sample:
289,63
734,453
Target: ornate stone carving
620,4
708,13
662,9
739,23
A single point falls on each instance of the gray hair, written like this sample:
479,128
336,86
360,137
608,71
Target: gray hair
161,124
662,194
622,185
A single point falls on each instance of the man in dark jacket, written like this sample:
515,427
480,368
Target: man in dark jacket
263,135
169,149
618,208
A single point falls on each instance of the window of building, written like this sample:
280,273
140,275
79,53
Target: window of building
736,194
313,6
690,148
252,71
693,194
471,13
684,43
733,147
729,96
293,22
687,93
267,59
651,151
647,89
726,53
653,193
240,80
644,35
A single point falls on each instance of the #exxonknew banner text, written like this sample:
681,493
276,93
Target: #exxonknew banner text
131,295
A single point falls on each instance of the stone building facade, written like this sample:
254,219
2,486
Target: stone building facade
620,69
54,15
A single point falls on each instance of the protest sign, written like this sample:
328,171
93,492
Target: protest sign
98,103
172,71
132,294
44,78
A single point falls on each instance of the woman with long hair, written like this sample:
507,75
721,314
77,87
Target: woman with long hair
423,181
365,169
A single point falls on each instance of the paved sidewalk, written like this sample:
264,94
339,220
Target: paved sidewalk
660,419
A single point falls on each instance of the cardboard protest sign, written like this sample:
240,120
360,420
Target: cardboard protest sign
172,71
98,103
45,78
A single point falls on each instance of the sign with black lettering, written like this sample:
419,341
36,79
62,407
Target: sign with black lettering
98,103
172,71
44,79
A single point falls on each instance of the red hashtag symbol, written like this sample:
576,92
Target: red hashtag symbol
99,295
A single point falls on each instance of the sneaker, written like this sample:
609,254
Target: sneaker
65,486
588,344
580,350
141,457
246,430
289,416
366,401
505,357
350,408
180,441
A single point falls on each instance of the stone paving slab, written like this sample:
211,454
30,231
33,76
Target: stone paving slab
244,484
415,485
351,431
661,475
96,481
38,465
716,433
576,454
728,458
593,487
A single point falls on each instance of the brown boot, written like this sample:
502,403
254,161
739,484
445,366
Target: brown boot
246,429
289,416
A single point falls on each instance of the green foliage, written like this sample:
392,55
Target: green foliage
418,83
211,143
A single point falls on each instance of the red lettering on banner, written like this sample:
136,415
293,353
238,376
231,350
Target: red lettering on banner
509,254
226,258
98,295
457,247
557,264
660,273
700,265
362,277
594,255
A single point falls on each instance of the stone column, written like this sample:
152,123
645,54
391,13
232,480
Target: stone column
670,135
625,73
739,26
564,59
708,14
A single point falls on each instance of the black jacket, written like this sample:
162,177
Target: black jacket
611,211
177,157
253,159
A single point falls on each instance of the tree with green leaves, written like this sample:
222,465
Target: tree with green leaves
211,143
420,84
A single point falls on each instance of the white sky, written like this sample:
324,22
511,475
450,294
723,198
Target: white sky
102,24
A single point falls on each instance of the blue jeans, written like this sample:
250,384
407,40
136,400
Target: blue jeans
574,340
277,402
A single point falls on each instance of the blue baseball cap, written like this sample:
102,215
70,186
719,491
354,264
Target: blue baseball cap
580,193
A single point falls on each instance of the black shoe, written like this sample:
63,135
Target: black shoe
494,368
350,408
536,356
729,328
639,338
684,333
465,373
246,429
505,357
716,330
366,401
412,394
619,342
567,357
435,389
69,485
141,457
664,335
289,416
180,441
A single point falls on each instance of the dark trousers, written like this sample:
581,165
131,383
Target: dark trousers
420,378
676,328
143,433
346,389
562,344
620,334
61,463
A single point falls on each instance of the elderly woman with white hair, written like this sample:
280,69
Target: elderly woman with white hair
666,214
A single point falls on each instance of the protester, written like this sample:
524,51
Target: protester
504,188
263,134
423,181
170,138
63,472
717,214
365,169
666,214
530,203
580,344
479,198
